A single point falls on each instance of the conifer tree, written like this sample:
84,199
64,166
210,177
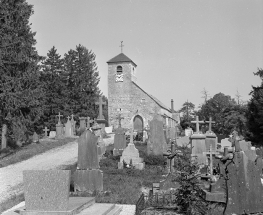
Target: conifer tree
54,86
82,82
20,90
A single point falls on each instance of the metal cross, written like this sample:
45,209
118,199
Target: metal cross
100,103
197,124
121,46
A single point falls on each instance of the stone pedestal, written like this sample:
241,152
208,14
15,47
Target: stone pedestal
198,148
102,123
130,153
88,180
59,131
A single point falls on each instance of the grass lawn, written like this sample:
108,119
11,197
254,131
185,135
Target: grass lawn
11,156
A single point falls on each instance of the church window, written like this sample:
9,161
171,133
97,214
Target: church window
119,74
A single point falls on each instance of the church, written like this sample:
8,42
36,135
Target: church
127,98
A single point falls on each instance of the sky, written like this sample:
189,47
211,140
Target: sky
181,47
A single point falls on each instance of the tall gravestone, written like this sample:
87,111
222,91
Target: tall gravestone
198,144
101,119
88,176
68,128
156,143
131,155
101,145
47,192
59,128
119,139
82,124
73,125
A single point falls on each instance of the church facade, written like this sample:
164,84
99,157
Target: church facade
125,97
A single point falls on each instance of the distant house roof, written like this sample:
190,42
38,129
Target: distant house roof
153,98
120,58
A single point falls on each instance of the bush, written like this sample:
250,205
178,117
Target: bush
156,160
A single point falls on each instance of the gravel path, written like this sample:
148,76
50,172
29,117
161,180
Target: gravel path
11,177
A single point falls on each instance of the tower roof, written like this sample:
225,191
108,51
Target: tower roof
120,58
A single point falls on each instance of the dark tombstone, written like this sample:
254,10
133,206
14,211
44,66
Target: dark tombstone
119,139
156,143
88,176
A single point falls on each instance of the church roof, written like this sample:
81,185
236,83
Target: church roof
154,98
120,58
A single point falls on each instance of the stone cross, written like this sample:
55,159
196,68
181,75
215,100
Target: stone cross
119,118
197,124
100,103
210,124
89,121
72,117
59,117
68,118
121,46
131,136
46,130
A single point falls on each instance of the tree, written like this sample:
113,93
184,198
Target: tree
188,113
82,82
215,108
255,112
21,92
205,95
54,86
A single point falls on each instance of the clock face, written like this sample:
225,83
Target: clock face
119,77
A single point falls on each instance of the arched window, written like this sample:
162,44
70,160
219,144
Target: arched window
119,70
119,74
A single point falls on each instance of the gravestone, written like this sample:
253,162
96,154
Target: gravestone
82,124
46,130
101,145
131,155
59,128
198,144
108,129
245,190
183,141
101,119
47,192
68,128
89,121
156,143
88,176
35,138
4,131
119,139
73,125
188,132
244,145
225,143
52,134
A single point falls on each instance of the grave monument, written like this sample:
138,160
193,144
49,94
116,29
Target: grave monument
88,176
59,128
101,119
119,139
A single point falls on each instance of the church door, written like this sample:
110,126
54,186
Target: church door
138,124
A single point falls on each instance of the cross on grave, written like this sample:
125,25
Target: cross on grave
72,117
46,130
119,118
211,153
89,121
68,118
197,124
59,117
100,103
210,124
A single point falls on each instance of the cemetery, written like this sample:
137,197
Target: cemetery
67,149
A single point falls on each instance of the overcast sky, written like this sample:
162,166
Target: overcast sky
180,46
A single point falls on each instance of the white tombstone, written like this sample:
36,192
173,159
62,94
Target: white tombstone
188,132
52,134
68,129
108,129
225,143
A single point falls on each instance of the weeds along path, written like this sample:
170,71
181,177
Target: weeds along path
11,177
